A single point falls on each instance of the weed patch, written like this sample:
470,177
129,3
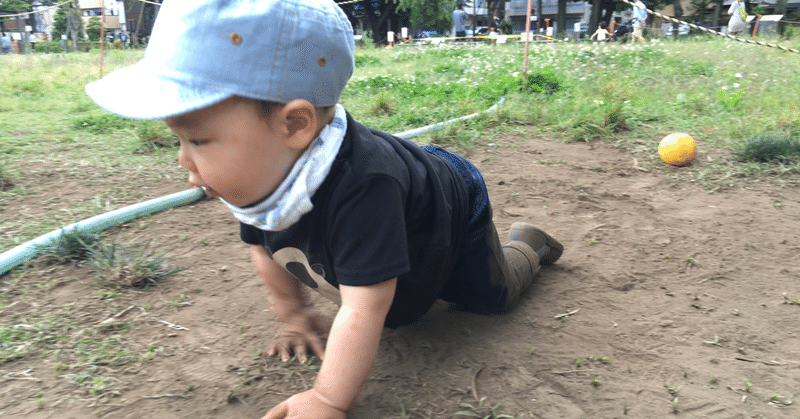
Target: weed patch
102,124
770,148
5,178
154,135
129,266
71,246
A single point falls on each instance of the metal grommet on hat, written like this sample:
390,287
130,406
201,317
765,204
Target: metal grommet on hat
322,61
236,39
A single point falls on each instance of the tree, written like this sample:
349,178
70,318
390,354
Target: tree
15,5
67,20
428,14
93,28
377,13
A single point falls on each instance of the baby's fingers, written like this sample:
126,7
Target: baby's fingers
282,348
278,412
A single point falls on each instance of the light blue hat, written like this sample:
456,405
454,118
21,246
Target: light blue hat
202,52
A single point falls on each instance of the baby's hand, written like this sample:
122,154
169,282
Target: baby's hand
306,405
301,332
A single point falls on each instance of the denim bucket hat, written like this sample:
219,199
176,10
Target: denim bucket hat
202,52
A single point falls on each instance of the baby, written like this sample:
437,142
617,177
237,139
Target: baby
377,224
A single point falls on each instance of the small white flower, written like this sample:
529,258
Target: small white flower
738,75
724,87
735,85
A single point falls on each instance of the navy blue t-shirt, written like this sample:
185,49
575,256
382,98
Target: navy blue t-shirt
387,209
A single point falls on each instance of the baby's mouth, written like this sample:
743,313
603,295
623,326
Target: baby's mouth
210,192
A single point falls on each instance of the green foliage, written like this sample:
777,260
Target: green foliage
772,147
131,265
71,246
364,60
454,136
383,105
506,28
730,101
93,28
101,124
429,14
14,5
543,81
607,117
154,135
50,47
27,88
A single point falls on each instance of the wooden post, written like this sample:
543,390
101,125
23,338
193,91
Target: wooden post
527,45
102,35
755,27
23,36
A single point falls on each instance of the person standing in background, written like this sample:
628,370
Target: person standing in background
639,18
736,24
460,19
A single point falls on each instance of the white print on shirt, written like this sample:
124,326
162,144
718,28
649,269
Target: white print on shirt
296,262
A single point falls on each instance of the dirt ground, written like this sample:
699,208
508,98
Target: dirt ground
676,302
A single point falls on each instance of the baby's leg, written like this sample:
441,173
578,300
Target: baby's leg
490,276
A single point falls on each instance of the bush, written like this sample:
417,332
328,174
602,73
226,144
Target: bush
543,81
51,47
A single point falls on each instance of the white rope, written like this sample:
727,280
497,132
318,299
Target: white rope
749,41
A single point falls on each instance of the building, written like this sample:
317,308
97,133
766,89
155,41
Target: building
115,22
577,13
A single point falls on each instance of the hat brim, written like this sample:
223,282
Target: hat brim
134,92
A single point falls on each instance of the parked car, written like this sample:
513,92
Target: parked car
482,31
682,29
428,34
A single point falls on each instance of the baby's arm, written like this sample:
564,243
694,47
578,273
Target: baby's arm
352,347
302,325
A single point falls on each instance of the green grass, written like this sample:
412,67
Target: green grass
727,95
71,246
131,265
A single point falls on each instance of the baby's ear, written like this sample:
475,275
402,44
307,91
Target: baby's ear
300,119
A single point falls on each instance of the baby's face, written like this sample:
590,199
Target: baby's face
233,151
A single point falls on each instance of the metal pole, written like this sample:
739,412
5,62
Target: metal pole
527,45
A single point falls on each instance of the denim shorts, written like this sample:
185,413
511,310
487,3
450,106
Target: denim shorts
476,283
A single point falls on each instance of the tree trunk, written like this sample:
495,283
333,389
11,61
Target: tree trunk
594,19
538,14
677,14
561,19
73,25
377,21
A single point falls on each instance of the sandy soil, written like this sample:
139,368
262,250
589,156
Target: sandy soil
675,297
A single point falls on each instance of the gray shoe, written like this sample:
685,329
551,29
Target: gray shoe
548,248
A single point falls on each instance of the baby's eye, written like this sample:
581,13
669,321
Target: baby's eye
197,143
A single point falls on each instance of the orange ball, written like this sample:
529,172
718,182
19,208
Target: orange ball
677,149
